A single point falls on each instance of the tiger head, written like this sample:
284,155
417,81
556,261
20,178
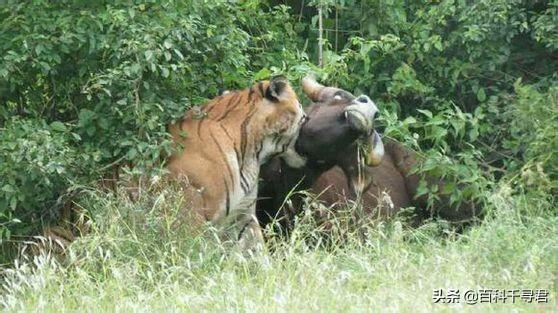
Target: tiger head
276,121
268,114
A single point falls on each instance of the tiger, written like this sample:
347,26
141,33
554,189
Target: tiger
220,146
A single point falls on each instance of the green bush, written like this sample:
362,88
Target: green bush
106,77
444,75
37,163
533,139
112,75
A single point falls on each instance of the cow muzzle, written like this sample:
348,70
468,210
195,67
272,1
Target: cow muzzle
361,114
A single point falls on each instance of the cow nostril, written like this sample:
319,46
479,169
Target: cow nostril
375,115
362,99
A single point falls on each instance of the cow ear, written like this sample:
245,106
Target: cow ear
278,85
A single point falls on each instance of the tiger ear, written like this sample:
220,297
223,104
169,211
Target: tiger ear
277,86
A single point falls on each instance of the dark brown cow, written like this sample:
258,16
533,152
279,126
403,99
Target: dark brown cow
334,171
390,187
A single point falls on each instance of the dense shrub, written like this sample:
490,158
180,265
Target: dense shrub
444,75
89,85
37,163
108,76
533,139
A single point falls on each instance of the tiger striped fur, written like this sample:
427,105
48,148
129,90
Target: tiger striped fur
224,143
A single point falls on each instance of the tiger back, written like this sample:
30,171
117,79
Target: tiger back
221,146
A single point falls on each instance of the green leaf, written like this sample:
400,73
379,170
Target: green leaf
165,72
422,189
481,95
148,55
410,120
262,74
13,203
425,112
8,188
167,55
58,126
473,134
131,154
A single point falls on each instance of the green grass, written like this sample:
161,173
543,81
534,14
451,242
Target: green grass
138,258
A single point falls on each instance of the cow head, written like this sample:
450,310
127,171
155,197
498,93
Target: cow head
339,130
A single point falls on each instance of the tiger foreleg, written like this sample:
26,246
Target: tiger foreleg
250,237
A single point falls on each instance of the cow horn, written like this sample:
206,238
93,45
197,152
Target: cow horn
311,87
373,157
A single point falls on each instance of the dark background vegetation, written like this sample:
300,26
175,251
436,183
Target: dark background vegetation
89,85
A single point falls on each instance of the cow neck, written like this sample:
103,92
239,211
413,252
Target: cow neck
305,176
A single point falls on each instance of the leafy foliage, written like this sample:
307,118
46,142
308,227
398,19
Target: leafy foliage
445,76
89,85
37,163
533,138
107,77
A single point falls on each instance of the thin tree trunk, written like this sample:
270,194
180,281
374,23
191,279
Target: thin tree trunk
320,37
336,27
